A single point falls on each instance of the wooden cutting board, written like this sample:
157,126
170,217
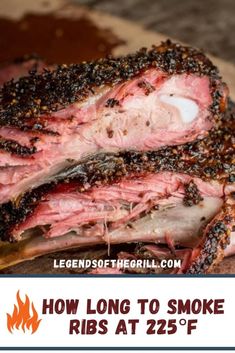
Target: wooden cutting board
130,37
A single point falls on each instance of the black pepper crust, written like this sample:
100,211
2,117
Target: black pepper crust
192,194
29,97
215,240
14,147
111,102
104,169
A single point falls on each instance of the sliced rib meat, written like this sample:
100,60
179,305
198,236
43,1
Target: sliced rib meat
209,158
112,207
106,169
169,95
203,245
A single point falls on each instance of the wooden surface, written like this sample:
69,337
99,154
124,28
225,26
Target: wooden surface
135,37
209,24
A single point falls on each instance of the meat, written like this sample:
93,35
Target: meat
213,163
134,153
201,247
97,204
169,95
230,249
116,204
210,157
216,237
21,67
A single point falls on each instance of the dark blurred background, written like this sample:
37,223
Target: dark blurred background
208,24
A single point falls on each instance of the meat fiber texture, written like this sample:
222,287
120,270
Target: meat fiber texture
134,150
166,96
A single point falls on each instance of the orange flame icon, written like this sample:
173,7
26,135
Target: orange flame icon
23,316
